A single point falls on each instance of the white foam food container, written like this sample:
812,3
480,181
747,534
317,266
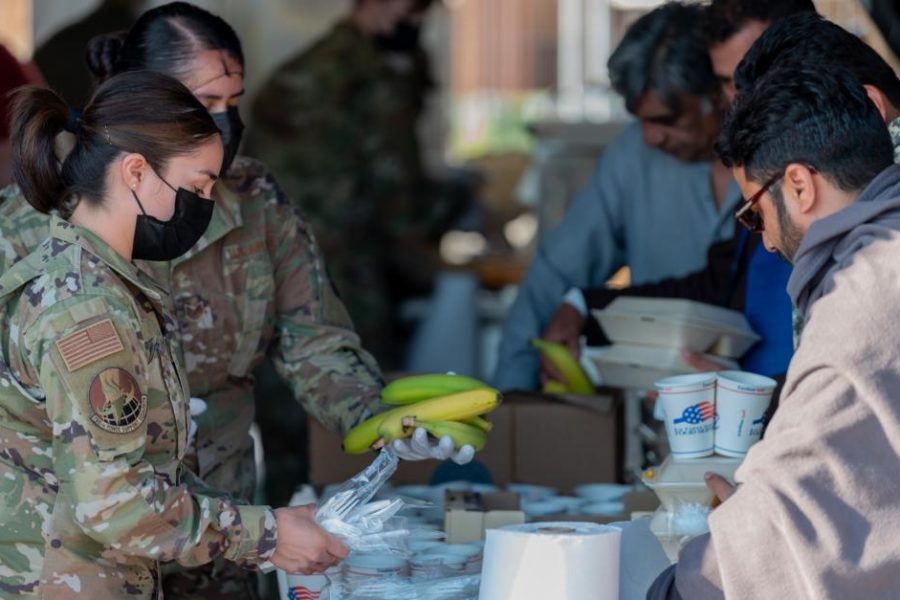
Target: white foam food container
677,323
628,366
681,481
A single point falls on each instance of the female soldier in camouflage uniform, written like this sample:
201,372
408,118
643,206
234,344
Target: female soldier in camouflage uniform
93,393
255,284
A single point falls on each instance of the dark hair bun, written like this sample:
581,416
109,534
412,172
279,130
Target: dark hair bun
104,53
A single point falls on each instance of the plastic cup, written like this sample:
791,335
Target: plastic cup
437,563
741,403
468,552
300,586
689,403
365,566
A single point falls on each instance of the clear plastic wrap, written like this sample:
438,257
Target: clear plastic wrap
366,526
359,489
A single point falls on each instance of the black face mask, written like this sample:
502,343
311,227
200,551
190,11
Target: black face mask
167,240
404,38
232,128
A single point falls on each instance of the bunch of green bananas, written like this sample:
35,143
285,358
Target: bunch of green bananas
441,404
576,382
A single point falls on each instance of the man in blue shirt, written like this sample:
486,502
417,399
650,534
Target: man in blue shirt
656,201
739,273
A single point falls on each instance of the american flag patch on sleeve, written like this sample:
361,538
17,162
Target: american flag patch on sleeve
89,345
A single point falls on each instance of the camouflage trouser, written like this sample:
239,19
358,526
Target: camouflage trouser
220,580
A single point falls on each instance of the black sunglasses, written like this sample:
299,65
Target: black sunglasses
750,218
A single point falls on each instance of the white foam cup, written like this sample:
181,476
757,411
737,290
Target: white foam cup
741,403
689,404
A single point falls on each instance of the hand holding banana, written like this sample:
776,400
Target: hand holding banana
448,408
576,380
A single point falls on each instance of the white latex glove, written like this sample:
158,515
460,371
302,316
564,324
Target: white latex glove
197,408
420,447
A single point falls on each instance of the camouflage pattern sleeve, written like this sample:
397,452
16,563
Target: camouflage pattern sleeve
119,416
23,227
316,348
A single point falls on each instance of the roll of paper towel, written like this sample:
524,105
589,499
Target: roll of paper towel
563,561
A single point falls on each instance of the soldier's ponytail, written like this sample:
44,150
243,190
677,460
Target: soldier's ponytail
142,112
38,116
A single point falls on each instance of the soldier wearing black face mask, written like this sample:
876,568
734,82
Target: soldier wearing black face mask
403,38
232,127
253,286
403,52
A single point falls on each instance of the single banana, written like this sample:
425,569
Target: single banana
555,387
576,379
455,407
460,433
423,387
481,423
361,438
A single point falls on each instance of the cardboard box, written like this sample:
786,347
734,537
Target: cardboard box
537,438
468,515
565,441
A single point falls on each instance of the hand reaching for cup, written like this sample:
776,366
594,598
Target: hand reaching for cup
303,546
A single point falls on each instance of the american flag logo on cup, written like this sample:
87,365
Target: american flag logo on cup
696,414
301,593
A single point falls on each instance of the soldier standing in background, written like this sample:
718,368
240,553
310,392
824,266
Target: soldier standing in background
337,123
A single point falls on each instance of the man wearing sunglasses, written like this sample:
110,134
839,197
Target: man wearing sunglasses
809,39
814,515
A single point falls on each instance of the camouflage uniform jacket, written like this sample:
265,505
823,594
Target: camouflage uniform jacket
255,284
93,429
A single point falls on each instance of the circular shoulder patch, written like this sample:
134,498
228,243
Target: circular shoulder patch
117,404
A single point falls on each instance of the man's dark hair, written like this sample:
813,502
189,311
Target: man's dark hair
814,41
663,52
818,117
724,18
